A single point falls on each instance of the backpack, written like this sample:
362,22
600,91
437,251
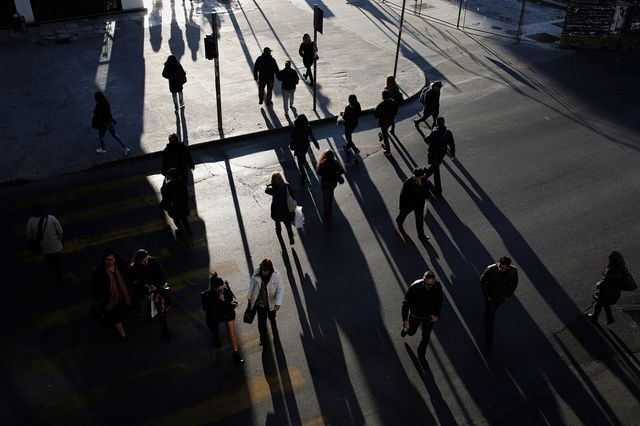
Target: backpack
628,283
423,95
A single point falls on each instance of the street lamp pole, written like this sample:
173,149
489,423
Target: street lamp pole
395,66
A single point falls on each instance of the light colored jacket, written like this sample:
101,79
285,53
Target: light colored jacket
51,237
275,289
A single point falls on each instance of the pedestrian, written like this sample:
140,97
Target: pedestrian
44,233
350,115
392,87
264,71
148,281
175,201
607,290
440,140
430,100
330,172
498,282
300,137
289,78
385,112
413,197
219,305
177,77
176,154
266,294
309,52
103,121
421,307
280,212
111,287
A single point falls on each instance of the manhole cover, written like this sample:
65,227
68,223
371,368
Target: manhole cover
543,37
634,314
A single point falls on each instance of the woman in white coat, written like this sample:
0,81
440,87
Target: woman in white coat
266,293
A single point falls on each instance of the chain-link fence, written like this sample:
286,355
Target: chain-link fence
539,20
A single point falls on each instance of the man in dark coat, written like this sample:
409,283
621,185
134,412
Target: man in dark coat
289,79
498,282
439,140
175,201
385,112
264,71
176,154
421,306
430,99
413,196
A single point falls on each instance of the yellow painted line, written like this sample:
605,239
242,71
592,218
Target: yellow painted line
254,391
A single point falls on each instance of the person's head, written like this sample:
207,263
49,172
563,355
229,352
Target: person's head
429,279
615,258
266,51
99,97
276,179
171,60
386,94
287,64
174,138
216,283
306,38
266,268
440,122
38,209
109,258
140,257
301,121
390,82
418,173
436,85
503,263
173,173
353,100
327,155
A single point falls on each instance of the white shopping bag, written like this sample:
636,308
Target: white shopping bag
154,308
298,218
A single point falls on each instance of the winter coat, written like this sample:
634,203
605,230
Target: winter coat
385,112
499,285
308,52
396,95
275,289
351,114
300,140
289,78
413,194
608,288
51,235
422,302
177,154
175,198
279,209
101,116
432,102
176,75
142,276
439,140
265,69
101,286
217,310
330,173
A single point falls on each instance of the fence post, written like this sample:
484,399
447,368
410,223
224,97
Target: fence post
520,21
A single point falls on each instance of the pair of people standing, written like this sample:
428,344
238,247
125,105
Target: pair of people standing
176,163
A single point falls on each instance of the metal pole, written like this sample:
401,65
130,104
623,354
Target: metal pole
395,65
216,66
313,80
520,22
459,13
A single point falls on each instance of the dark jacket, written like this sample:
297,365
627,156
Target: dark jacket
432,101
177,154
608,289
151,274
101,116
422,302
265,69
396,94
330,173
308,53
175,198
176,76
499,285
289,78
439,140
351,114
413,194
101,286
300,140
217,310
279,209
385,112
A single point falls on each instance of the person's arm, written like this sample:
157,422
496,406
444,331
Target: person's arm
28,230
57,227
255,69
514,281
452,145
438,304
279,296
405,309
484,283
269,189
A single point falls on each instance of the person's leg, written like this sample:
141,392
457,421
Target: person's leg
348,132
385,138
425,114
55,267
435,114
278,226
181,99
310,75
419,213
427,327
164,326
214,327
291,96
436,180
262,313
414,323
261,85
287,225
174,97
231,331
302,162
285,100
401,217
185,224
112,130
120,328
269,92
101,133
607,311
272,318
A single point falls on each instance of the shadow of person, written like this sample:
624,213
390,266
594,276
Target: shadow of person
181,126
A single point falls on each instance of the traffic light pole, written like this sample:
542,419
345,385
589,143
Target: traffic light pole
216,66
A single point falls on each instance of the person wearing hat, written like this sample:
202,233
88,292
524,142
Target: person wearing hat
264,71
413,197
289,79
430,99
421,306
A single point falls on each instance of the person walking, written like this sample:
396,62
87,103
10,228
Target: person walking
266,294
421,307
430,99
111,286
301,136
177,77
148,280
176,154
498,282
607,290
330,172
413,197
392,87
289,78
44,233
103,121
175,201
280,213
350,115
264,71
385,112
219,305
309,53
440,140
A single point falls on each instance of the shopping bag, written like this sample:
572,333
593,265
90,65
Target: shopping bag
298,218
154,309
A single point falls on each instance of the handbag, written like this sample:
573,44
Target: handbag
298,218
249,314
291,202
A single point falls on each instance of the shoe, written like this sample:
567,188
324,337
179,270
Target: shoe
610,321
591,317
403,332
423,237
269,103
101,151
126,151
237,358
260,101
380,136
417,124
292,241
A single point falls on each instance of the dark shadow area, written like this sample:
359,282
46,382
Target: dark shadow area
176,39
